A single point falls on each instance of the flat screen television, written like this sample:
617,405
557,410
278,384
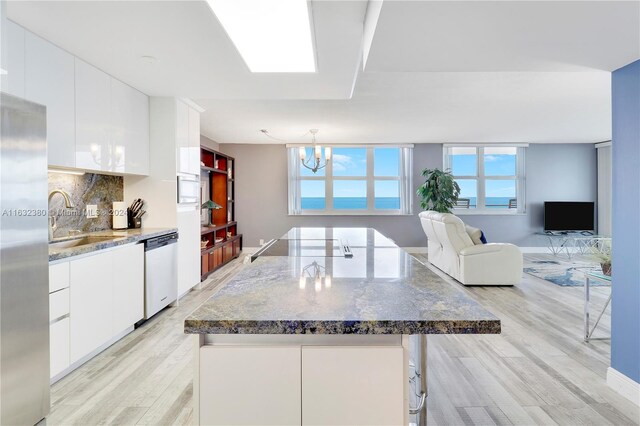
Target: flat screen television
569,216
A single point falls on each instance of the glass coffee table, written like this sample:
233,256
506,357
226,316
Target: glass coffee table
606,279
575,243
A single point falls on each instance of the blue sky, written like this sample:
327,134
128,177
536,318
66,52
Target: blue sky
494,165
353,162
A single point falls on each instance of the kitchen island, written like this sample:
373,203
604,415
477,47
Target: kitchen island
326,326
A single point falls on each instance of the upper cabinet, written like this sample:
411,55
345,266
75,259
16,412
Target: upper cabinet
129,129
49,80
112,122
12,57
93,109
182,138
94,121
187,139
194,141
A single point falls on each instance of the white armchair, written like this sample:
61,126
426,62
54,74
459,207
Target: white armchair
451,249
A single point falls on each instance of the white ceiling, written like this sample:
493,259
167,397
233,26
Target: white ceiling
431,107
505,36
421,82
196,58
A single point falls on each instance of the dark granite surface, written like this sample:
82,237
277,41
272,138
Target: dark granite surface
381,290
113,238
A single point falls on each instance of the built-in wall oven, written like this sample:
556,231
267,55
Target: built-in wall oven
188,189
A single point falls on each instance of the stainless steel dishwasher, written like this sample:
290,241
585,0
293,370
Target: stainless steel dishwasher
160,273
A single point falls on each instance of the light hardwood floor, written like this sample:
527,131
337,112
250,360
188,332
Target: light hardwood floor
538,371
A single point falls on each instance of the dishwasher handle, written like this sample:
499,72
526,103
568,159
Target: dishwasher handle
161,241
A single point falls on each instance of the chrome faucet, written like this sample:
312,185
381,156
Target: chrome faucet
67,203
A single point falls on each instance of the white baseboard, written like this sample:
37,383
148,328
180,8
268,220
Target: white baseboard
623,385
415,250
546,250
534,250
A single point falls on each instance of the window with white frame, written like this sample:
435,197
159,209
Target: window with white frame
491,178
366,180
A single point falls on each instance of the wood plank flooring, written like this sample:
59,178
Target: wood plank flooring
538,371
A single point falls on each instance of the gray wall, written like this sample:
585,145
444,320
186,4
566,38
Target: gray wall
554,172
209,143
261,197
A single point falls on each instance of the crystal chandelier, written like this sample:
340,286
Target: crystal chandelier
315,165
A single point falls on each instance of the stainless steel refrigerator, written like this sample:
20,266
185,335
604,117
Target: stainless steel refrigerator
24,263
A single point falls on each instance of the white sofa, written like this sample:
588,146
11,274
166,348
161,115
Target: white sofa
451,249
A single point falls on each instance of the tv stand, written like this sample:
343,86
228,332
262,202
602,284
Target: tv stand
570,242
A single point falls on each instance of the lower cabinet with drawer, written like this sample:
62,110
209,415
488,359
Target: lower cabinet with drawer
95,299
59,345
58,318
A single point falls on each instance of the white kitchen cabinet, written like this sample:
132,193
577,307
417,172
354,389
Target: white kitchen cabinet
94,150
188,250
91,307
194,141
137,162
59,310
58,276
249,385
129,122
58,304
12,54
183,152
59,346
104,298
373,396
49,80
128,287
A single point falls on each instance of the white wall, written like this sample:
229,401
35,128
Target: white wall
605,176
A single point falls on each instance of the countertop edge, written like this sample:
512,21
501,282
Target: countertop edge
488,326
117,241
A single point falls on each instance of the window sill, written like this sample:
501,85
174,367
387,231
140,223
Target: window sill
473,212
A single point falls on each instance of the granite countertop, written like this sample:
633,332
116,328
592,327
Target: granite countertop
112,238
381,290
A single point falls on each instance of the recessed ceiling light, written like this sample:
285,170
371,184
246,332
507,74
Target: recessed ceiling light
271,35
148,59
3,71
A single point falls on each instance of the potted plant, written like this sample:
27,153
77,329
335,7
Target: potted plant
605,262
439,192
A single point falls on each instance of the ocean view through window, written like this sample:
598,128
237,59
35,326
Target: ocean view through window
365,180
491,178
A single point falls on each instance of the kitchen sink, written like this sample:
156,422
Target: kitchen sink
82,241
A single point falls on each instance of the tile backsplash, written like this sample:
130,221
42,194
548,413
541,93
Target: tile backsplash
89,188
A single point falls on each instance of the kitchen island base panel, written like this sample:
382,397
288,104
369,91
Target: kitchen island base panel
305,379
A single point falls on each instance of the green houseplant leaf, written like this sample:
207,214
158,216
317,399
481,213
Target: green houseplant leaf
439,192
